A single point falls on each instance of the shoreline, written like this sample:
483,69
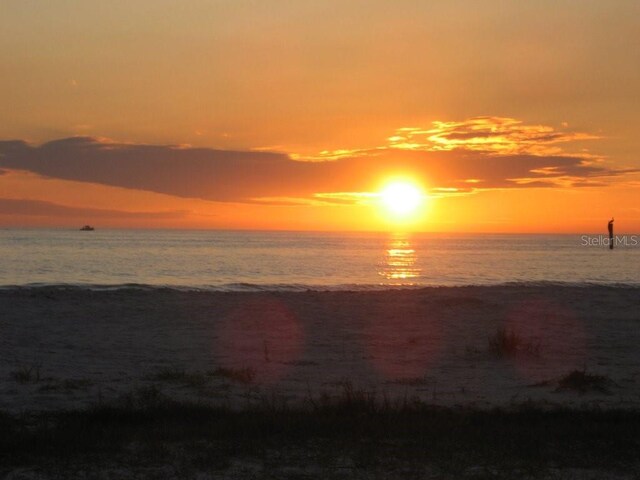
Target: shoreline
302,288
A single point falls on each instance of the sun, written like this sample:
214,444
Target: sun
401,198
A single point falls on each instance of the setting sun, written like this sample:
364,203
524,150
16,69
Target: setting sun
389,220
401,198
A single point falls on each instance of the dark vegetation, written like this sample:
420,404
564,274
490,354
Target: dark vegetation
583,382
243,375
26,374
67,385
507,343
371,432
579,381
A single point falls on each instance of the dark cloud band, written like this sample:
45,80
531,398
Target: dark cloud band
243,176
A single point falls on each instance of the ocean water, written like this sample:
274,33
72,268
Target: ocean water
231,260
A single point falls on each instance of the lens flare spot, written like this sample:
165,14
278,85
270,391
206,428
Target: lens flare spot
261,334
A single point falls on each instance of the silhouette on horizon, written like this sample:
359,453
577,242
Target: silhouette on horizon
610,227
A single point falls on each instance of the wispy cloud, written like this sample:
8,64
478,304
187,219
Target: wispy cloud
490,135
347,198
483,135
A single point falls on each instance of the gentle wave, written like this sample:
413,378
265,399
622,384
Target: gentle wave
248,287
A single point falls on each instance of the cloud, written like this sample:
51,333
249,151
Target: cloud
48,209
497,135
175,170
484,135
453,157
347,198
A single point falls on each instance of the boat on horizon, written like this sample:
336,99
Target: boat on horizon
87,228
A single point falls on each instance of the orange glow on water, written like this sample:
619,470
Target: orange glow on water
399,265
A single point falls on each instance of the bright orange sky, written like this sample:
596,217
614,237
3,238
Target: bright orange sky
510,116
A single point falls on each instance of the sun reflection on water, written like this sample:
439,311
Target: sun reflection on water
399,263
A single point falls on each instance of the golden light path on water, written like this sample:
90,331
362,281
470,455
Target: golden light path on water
399,264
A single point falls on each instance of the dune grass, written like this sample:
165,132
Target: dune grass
26,374
66,385
197,379
180,376
369,432
508,343
583,382
243,375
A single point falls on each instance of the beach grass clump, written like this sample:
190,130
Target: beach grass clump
140,400
68,385
180,376
507,343
359,401
411,381
26,374
243,375
583,382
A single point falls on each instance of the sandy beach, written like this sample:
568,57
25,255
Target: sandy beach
66,348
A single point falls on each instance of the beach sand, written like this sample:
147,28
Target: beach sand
163,383
74,347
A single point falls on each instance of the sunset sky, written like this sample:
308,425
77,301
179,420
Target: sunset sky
506,116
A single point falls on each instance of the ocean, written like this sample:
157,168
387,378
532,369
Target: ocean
243,260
